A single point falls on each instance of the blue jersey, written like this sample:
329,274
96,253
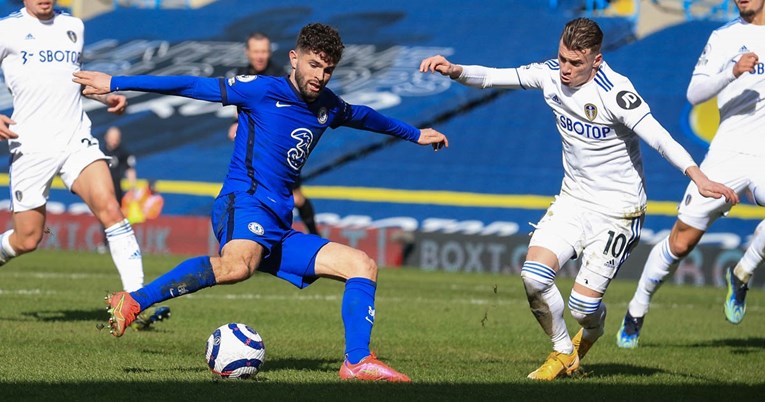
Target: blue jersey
277,128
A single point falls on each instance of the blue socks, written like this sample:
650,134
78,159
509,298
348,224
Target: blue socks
358,317
188,277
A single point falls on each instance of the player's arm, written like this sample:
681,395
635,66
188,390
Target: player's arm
202,88
366,118
704,87
473,76
655,135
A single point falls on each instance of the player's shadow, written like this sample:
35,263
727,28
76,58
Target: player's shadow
327,365
736,343
614,369
67,315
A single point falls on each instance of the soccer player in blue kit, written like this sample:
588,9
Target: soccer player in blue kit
281,119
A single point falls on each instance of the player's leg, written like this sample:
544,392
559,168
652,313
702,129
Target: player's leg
305,210
93,184
240,256
737,277
695,215
238,261
359,272
31,178
25,236
550,247
662,262
609,242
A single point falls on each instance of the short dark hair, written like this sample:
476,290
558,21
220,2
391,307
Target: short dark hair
256,36
581,34
321,38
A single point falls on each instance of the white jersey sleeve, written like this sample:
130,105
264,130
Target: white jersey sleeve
486,77
658,138
709,78
525,77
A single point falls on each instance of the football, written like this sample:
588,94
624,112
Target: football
235,351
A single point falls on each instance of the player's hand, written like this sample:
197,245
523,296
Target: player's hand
745,64
116,103
712,189
5,131
232,131
709,188
434,138
94,82
439,64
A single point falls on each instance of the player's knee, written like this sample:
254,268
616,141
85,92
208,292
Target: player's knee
363,266
680,247
232,270
536,277
26,243
108,211
589,312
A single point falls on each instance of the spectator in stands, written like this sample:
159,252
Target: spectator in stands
122,162
49,135
730,69
285,118
600,209
258,50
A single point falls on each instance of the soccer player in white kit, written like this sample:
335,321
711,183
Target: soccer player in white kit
49,134
730,69
599,211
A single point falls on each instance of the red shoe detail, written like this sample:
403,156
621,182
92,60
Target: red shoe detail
371,369
123,309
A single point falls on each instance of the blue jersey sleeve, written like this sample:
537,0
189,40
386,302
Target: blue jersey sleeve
202,88
244,90
365,118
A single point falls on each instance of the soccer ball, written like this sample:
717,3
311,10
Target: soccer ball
235,351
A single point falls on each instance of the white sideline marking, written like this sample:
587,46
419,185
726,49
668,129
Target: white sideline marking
26,292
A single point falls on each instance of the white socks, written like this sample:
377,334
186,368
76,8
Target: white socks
660,264
6,251
126,255
753,256
547,304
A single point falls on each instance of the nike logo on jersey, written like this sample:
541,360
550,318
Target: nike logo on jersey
279,104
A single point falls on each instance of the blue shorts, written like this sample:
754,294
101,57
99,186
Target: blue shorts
289,254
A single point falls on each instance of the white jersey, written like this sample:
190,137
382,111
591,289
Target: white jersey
38,59
741,101
597,123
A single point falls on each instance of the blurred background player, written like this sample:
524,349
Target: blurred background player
282,119
49,134
729,68
258,50
600,118
122,163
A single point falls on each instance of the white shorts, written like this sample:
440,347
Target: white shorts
570,229
737,171
31,174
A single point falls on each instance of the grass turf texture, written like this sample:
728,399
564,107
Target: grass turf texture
459,336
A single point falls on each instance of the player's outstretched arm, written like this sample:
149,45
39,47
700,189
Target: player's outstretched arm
434,138
439,64
709,188
5,131
94,82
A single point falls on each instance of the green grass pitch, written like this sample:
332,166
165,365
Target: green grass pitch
459,336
